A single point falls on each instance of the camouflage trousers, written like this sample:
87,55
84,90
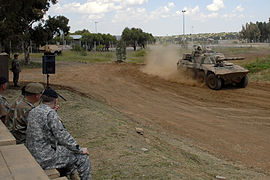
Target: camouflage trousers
70,161
15,78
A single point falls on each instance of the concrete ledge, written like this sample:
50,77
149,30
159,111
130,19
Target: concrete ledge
16,163
52,173
6,138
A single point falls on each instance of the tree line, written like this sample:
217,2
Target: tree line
136,37
22,23
17,23
256,32
91,40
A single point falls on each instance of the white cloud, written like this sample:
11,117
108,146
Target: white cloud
239,8
95,7
138,14
133,2
216,5
141,15
171,4
212,15
189,11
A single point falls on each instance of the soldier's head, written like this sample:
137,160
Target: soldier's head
33,92
49,97
16,56
3,84
199,48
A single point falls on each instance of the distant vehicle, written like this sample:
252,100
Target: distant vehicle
51,50
213,69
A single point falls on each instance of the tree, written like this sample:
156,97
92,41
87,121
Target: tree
135,36
57,25
53,27
19,16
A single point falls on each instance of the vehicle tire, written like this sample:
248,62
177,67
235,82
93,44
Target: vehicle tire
213,82
201,77
244,82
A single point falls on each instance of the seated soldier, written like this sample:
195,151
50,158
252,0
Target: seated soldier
50,143
12,108
4,105
17,116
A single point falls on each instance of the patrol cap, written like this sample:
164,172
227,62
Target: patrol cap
49,92
3,80
35,88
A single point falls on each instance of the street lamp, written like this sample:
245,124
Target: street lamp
95,43
183,11
96,26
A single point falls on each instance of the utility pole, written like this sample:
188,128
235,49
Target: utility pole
192,27
96,33
96,26
183,11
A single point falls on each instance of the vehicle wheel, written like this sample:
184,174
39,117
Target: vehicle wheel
213,82
244,82
201,77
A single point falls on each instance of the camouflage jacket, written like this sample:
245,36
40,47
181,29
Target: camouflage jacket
17,119
9,118
4,107
46,134
15,66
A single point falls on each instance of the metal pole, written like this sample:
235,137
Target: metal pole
48,80
183,11
184,21
96,26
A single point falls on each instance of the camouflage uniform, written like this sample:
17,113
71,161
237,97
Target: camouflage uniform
9,118
51,144
4,107
121,51
16,69
17,119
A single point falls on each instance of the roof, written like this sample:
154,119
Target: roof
75,36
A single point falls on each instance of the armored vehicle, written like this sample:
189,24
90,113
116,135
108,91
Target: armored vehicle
51,50
213,69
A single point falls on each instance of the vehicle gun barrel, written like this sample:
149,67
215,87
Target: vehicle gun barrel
233,58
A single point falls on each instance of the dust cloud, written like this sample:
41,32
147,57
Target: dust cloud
162,62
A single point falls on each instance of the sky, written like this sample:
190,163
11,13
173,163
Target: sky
161,17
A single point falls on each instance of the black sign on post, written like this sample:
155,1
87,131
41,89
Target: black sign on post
48,64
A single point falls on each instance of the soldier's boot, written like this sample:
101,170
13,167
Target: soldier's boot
75,176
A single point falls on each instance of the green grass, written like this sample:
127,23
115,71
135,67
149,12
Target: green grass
260,64
88,57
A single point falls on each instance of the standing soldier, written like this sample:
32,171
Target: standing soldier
16,69
17,116
121,51
50,143
4,106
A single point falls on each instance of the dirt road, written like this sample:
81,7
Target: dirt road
230,123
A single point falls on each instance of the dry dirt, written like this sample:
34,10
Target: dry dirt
230,123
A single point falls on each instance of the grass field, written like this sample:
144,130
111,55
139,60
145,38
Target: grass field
90,57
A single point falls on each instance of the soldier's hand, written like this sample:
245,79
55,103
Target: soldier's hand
56,107
85,151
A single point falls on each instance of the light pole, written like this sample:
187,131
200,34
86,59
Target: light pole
95,43
96,26
183,11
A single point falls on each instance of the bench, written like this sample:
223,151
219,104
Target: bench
18,164
6,138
